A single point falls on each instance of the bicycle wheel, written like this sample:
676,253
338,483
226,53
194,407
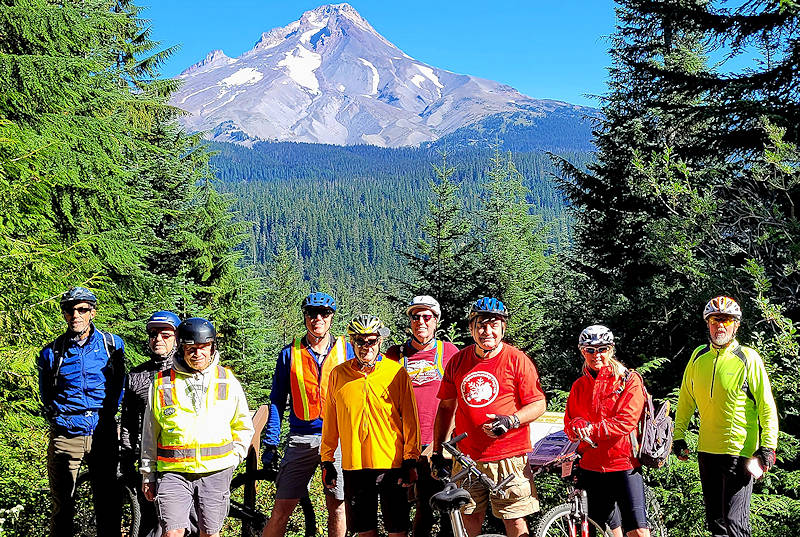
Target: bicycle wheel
654,517
556,522
85,519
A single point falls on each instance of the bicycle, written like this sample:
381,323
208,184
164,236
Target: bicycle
85,522
253,520
450,500
571,519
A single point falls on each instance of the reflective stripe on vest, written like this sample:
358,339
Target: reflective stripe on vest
178,457
309,381
437,361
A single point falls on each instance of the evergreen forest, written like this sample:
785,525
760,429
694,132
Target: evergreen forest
689,189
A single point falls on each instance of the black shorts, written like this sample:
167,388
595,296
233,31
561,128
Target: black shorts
615,498
361,491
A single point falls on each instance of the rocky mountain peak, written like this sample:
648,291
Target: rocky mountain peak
329,77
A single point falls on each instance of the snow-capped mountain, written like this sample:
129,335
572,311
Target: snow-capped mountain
331,78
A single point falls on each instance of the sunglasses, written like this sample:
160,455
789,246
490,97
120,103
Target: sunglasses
313,313
153,334
365,342
724,321
82,310
421,317
594,350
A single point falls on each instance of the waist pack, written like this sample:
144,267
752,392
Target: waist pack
651,441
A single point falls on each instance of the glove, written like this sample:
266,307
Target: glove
329,474
581,428
269,457
408,472
439,467
680,449
500,425
766,456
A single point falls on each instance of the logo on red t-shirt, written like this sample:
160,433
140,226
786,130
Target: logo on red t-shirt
479,389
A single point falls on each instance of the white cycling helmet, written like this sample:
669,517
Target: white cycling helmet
723,305
425,302
597,334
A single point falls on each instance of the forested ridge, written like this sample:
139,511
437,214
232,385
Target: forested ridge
692,192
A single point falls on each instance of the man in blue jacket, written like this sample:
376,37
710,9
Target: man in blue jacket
80,383
301,375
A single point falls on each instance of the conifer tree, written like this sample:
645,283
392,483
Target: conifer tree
513,246
445,262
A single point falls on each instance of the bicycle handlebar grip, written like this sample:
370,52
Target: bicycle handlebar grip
506,480
455,440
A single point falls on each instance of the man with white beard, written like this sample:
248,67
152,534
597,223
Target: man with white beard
728,385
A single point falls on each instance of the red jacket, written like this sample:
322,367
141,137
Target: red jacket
613,411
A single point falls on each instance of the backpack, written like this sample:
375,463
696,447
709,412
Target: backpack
651,440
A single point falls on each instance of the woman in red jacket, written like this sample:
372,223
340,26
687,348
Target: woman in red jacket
603,407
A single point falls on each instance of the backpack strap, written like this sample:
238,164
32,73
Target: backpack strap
57,347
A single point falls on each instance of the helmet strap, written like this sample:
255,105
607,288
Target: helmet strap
421,343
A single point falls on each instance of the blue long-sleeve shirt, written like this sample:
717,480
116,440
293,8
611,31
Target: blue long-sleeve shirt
280,394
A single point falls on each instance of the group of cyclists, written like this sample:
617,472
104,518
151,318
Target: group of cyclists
375,421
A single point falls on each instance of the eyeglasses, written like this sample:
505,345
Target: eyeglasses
313,313
365,342
82,310
724,321
197,347
421,317
594,350
153,334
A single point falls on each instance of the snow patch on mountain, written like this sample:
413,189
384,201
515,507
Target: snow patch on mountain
301,64
375,76
247,75
428,72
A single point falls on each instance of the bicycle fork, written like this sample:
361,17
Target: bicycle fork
579,515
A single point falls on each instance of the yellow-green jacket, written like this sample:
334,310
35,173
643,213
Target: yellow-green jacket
730,409
196,422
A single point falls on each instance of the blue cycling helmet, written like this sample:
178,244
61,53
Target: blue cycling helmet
488,306
78,294
318,300
161,319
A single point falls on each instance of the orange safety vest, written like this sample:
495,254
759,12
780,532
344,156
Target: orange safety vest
309,381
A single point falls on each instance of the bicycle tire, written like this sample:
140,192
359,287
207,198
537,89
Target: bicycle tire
655,518
555,523
85,521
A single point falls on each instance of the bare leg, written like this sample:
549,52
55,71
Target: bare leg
337,520
516,527
276,527
473,523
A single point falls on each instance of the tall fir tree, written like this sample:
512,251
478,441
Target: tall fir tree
446,260
513,247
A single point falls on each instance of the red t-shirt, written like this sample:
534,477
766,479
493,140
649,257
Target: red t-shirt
499,385
425,378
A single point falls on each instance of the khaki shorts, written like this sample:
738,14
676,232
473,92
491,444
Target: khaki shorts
517,500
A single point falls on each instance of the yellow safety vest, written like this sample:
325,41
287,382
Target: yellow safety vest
194,442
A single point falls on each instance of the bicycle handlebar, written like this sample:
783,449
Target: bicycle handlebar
470,468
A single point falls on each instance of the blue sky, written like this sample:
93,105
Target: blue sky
545,49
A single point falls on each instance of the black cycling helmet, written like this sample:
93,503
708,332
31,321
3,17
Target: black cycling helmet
318,300
78,294
161,319
488,306
196,330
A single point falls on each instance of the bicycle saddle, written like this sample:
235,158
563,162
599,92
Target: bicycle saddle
451,498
